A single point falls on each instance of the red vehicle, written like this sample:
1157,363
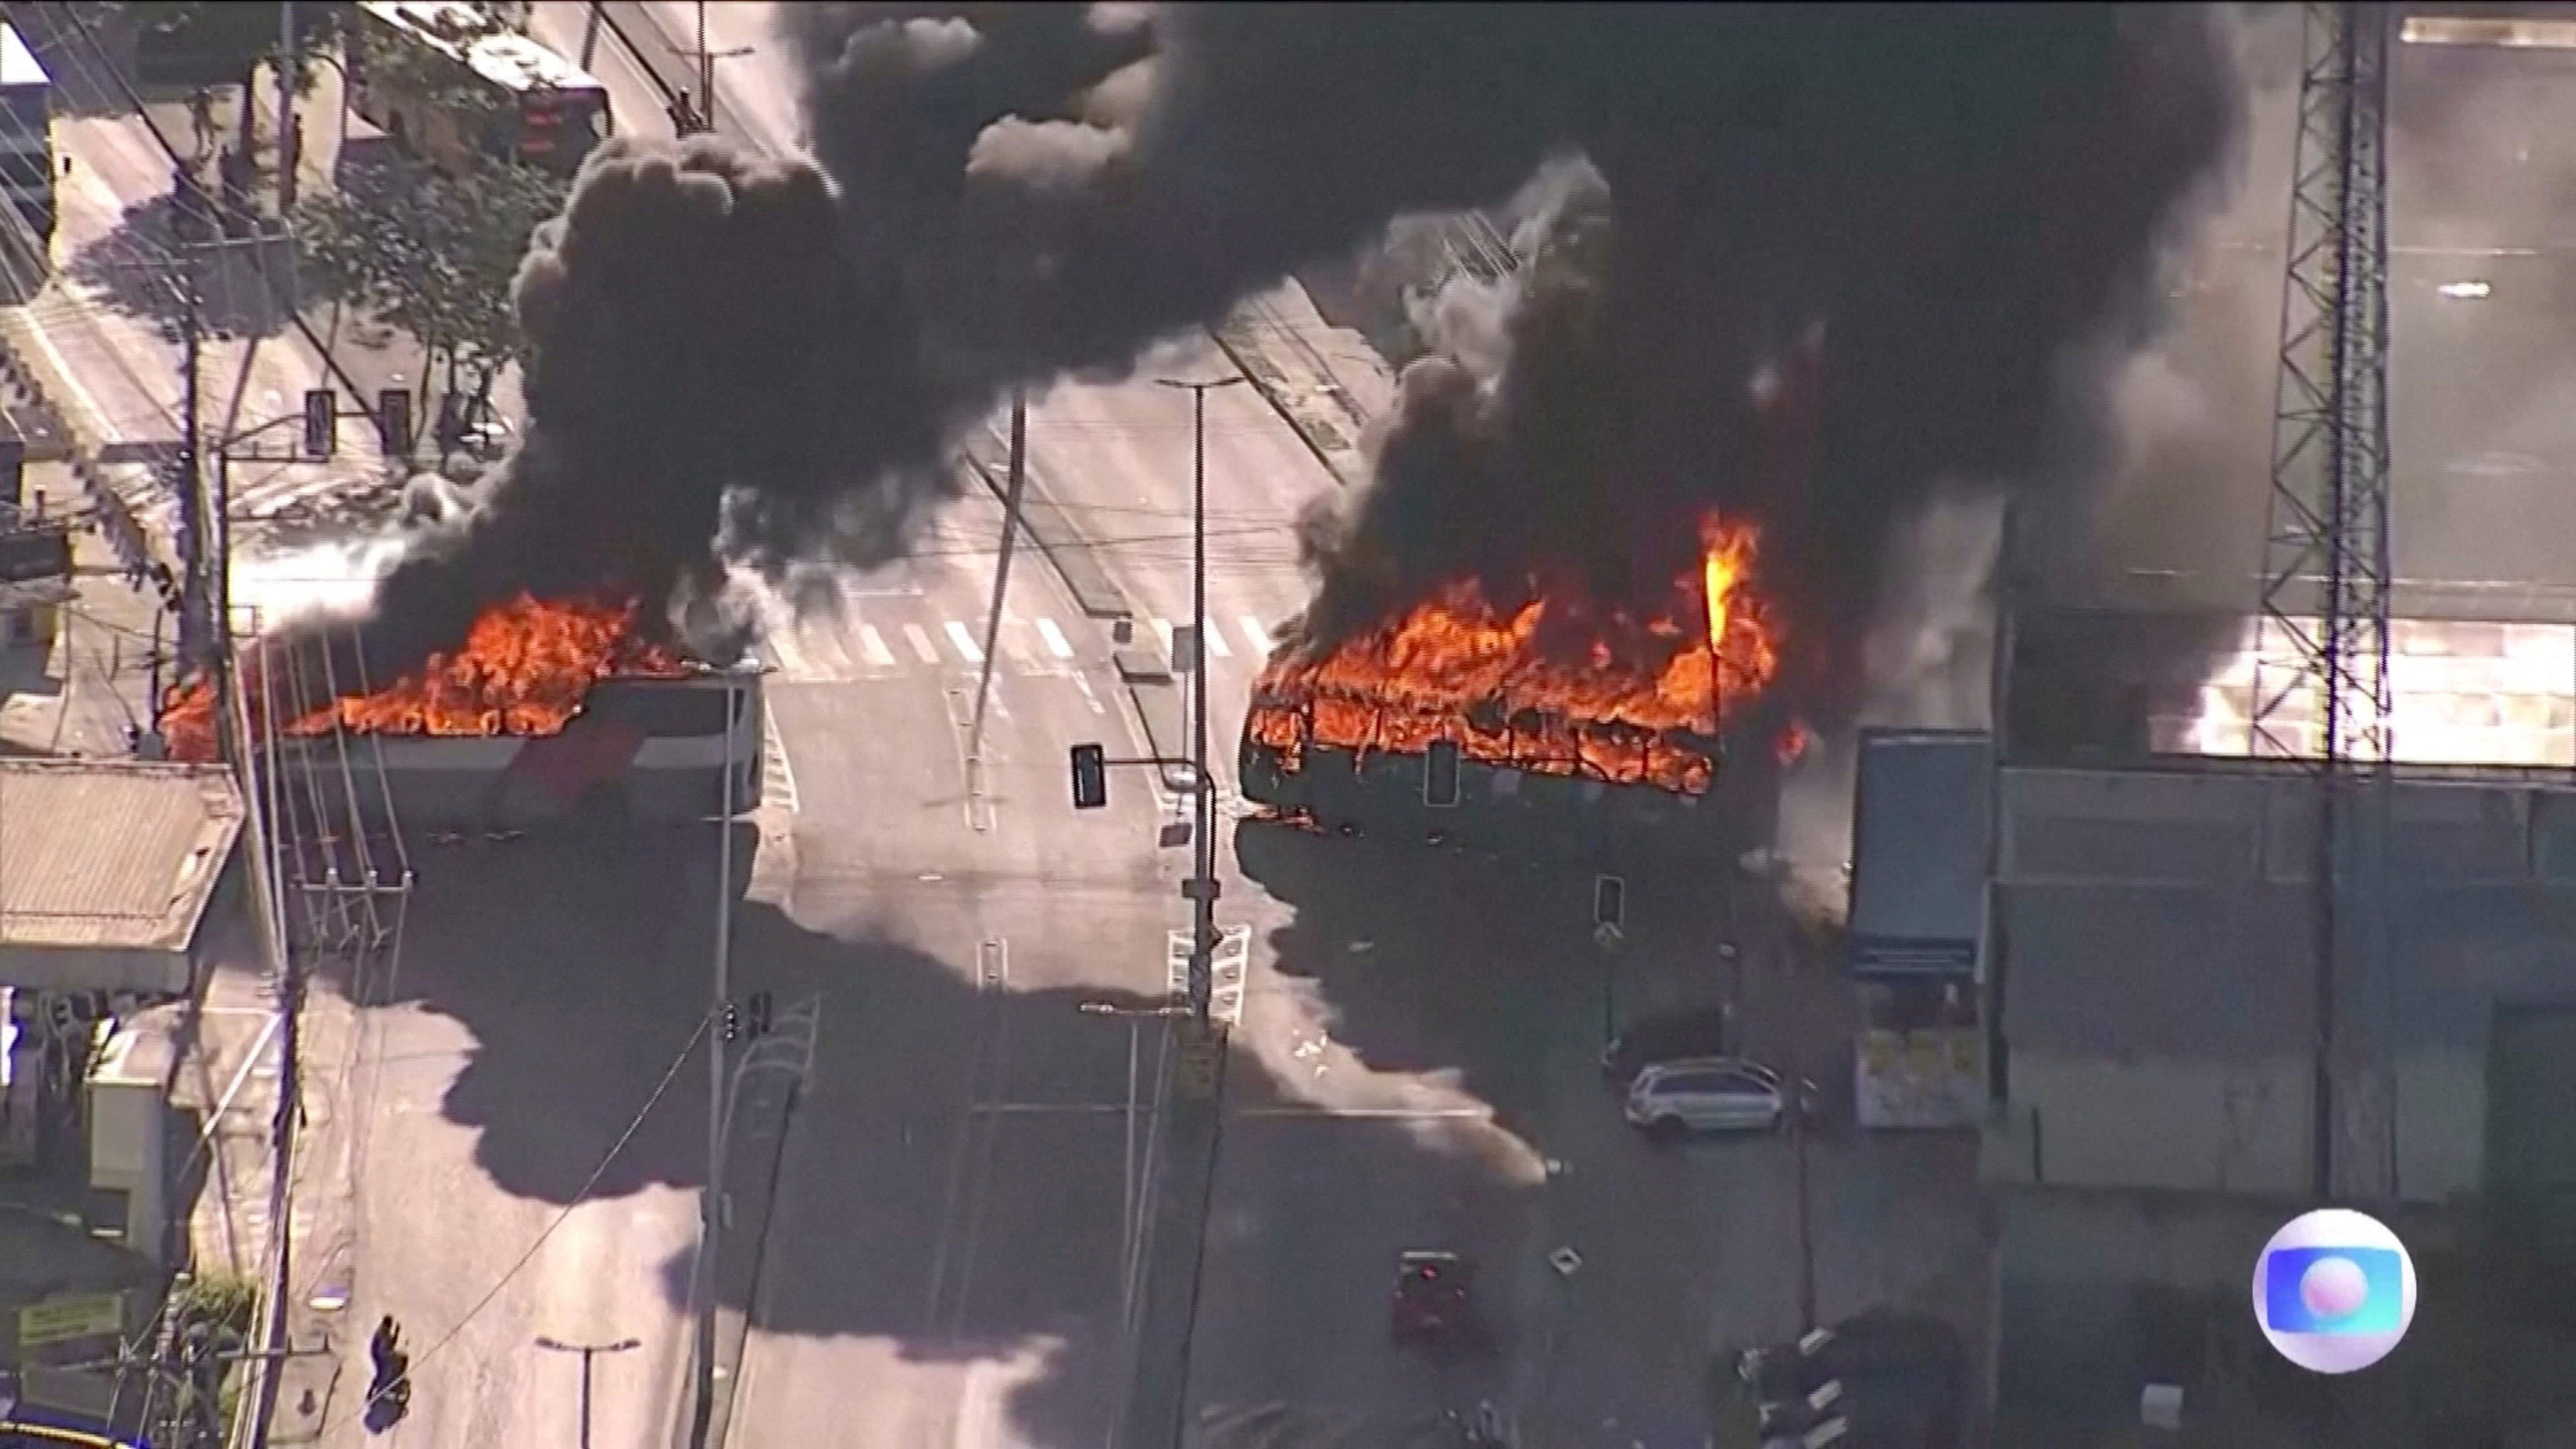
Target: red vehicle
1434,1301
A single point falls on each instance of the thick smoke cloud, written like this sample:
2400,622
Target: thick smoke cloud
1959,195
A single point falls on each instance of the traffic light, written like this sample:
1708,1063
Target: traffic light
393,422
1609,901
1090,777
760,1013
321,422
1440,774
732,1021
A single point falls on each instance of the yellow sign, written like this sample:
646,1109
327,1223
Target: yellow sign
48,1434
61,1320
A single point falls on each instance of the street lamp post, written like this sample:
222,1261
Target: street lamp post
588,1352
1202,886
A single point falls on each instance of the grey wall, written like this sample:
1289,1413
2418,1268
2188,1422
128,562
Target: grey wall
2157,983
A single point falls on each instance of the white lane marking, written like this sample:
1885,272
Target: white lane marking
914,635
1257,634
70,376
965,642
1088,696
1215,643
790,659
779,768
873,645
1163,632
1056,643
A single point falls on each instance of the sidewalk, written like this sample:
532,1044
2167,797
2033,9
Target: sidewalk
98,677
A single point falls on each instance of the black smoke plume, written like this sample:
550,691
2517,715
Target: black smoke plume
757,361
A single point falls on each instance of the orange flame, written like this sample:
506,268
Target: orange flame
525,668
1558,686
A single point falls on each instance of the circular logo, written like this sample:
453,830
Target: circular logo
2334,1290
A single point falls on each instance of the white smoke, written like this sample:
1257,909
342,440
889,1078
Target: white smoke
335,580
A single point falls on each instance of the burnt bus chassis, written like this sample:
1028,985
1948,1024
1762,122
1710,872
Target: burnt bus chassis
1522,812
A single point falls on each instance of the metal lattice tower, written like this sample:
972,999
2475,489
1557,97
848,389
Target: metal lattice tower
2321,683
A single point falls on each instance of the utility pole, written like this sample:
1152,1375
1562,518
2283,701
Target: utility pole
1019,478
703,117
195,641
1201,889
289,67
711,1207
588,1352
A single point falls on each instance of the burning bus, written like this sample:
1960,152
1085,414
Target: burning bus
1553,722
1550,724
550,710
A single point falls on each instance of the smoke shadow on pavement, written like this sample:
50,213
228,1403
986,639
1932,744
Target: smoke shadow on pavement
987,1243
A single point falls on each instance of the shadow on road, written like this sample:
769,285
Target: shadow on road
135,271
580,968
1431,960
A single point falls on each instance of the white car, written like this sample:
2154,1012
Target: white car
1670,1100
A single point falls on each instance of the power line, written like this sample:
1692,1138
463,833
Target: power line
125,90
688,1049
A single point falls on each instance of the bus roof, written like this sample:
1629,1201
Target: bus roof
505,58
18,65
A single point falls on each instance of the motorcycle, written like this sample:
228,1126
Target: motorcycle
389,1393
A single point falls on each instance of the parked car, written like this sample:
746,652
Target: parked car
1671,1100
1701,1032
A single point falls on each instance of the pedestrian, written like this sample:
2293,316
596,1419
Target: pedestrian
201,119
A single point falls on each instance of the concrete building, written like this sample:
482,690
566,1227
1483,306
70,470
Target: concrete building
2153,986
108,870
110,873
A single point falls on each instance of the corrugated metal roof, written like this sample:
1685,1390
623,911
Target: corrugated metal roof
115,855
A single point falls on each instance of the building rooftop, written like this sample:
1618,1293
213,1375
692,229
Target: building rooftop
18,65
113,855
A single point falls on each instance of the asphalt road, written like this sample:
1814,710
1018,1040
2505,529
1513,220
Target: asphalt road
530,1163
1416,1044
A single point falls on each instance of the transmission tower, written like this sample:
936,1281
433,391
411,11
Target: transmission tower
2321,691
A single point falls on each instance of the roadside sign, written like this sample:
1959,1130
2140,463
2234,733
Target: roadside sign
63,1320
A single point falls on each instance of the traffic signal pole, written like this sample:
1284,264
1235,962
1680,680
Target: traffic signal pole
1202,887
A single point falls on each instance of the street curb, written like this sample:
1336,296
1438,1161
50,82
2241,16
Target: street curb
1047,524
733,1324
1262,373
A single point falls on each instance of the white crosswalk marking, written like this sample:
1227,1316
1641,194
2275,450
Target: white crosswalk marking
965,642
1056,643
919,639
1215,644
873,644
1163,632
1257,634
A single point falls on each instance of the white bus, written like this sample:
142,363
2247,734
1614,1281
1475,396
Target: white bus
26,139
410,58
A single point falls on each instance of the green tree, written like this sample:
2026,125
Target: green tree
433,251
433,256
